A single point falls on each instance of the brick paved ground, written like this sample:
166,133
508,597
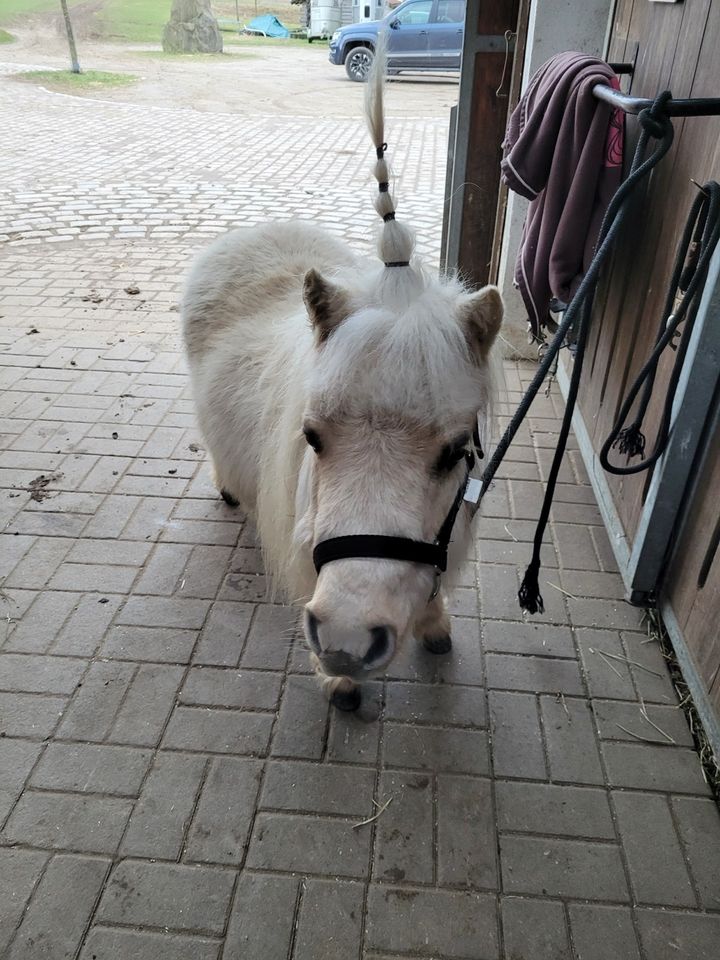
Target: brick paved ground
173,785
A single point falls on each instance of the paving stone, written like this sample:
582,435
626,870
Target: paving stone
607,614
318,788
224,815
666,935
653,683
17,758
19,872
648,767
542,639
268,640
91,768
163,612
262,918
581,583
29,715
658,873
606,676
223,636
698,824
38,565
66,821
353,738
158,644
58,915
92,710
142,717
535,929
612,715
535,674
218,731
86,626
308,845
570,737
516,738
600,932
163,811
438,750
247,689
330,920
103,578
302,720
167,895
162,572
108,943
417,921
550,809
36,630
575,547
562,868
404,833
467,842
436,703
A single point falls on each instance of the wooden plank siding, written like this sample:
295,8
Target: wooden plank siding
677,49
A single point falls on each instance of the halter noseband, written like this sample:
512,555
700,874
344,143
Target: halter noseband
369,546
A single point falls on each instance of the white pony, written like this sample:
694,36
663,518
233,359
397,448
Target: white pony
339,399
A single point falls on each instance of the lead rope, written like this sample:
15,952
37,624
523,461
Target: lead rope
700,237
654,123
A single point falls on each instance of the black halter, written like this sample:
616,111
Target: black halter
379,547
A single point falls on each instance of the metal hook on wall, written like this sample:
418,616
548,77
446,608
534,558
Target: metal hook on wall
509,35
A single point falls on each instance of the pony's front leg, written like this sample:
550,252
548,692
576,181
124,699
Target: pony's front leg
342,692
432,629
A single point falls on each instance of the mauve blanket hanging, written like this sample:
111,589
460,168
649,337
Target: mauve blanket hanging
563,151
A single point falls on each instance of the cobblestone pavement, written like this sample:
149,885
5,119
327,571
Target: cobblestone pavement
173,786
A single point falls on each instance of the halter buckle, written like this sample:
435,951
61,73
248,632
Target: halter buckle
436,585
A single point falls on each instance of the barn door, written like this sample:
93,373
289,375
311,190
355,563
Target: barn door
493,50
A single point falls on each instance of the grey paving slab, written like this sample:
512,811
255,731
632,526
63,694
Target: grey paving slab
56,919
535,929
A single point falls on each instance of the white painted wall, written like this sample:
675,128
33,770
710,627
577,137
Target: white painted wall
554,26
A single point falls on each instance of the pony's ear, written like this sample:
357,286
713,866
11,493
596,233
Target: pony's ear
481,317
327,305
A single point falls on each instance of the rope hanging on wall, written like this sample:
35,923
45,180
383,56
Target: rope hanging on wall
656,124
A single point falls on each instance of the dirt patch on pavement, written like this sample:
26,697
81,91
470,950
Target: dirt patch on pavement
248,80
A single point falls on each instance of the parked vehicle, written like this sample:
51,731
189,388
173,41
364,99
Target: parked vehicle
422,35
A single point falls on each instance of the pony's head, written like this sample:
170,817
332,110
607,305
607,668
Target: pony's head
398,379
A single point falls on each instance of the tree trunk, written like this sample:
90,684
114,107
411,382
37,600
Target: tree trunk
192,28
70,36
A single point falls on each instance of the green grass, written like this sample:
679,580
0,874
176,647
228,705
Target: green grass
6,37
12,9
66,82
142,21
137,20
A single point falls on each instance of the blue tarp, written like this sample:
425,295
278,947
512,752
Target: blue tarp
269,25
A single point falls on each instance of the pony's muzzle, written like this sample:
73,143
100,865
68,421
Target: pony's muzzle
349,652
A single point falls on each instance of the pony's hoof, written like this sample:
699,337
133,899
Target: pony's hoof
229,498
347,700
441,644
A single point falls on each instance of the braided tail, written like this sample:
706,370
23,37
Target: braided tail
396,242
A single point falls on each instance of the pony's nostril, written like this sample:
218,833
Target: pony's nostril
312,631
380,648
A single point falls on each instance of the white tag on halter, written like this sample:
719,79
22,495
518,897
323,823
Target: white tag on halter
472,490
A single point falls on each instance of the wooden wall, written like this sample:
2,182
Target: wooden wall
676,47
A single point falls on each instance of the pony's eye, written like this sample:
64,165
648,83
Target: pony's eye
313,439
451,455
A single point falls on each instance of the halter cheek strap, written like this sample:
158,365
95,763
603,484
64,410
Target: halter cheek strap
369,546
